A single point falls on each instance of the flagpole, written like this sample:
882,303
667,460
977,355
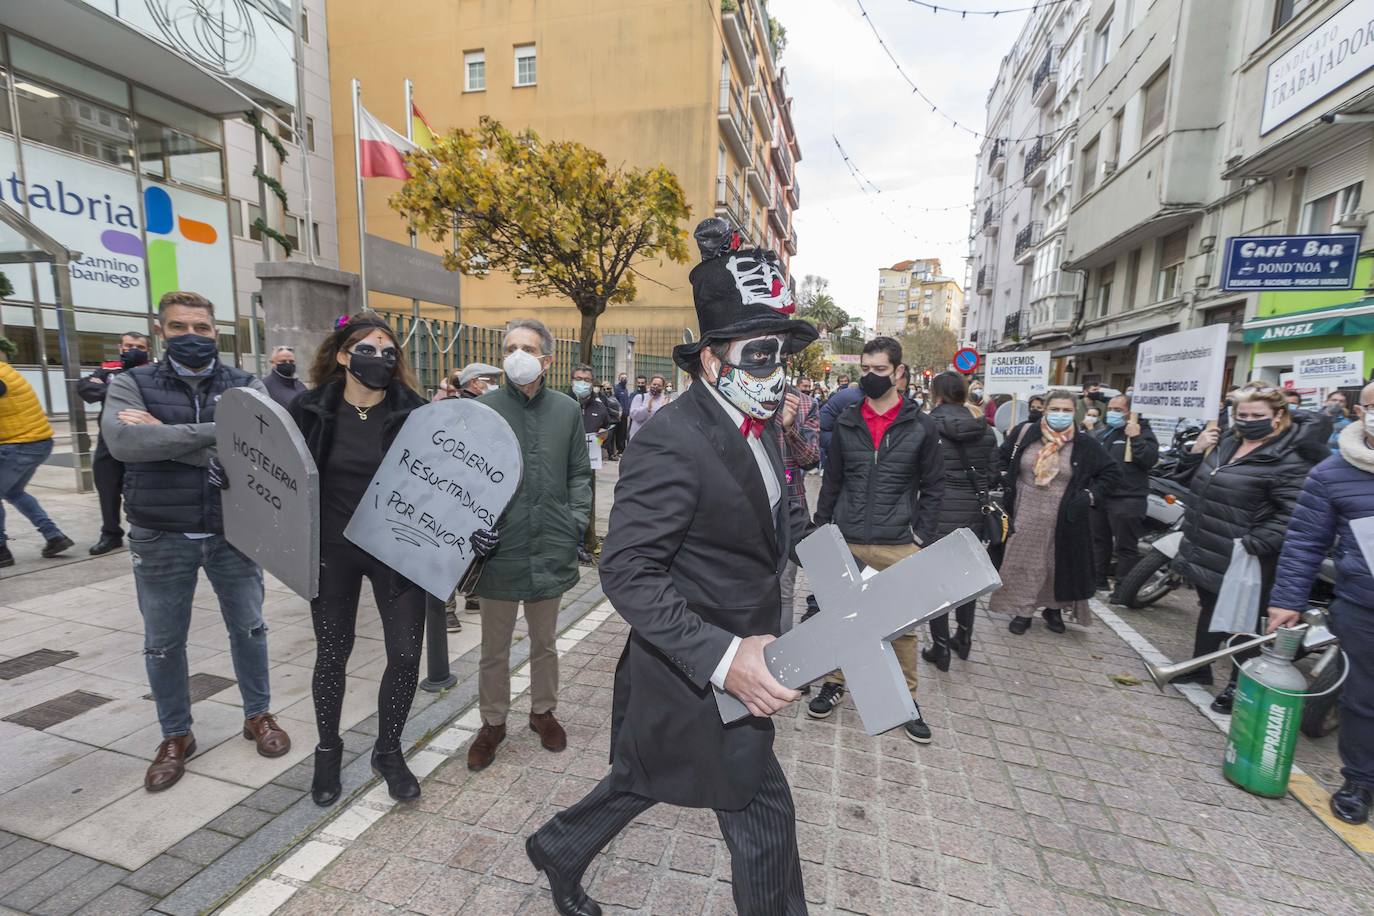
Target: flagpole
414,241
358,176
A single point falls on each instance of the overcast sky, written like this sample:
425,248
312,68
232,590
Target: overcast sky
842,84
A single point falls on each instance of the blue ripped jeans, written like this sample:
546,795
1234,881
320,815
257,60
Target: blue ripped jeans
18,462
166,565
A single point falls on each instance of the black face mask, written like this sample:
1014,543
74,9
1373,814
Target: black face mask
875,386
1036,415
286,370
1254,429
641,388
1097,396
192,350
373,372
131,358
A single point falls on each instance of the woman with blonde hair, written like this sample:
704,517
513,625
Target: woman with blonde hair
1244,484
1052,478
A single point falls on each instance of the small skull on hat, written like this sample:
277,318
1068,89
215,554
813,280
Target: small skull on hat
760,280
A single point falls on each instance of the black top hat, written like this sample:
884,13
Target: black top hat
739,292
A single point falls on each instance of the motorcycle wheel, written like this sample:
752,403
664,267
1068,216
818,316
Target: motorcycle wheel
1320,715
1149,581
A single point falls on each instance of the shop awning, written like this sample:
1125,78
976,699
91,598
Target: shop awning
1098,346
1353,318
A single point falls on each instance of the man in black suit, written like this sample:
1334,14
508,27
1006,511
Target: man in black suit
107,470
699,536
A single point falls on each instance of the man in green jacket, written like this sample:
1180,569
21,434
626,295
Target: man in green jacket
540,530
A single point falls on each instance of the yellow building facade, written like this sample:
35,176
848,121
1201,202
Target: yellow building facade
694,86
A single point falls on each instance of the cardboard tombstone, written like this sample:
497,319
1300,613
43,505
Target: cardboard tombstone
451,470
272,505
859,618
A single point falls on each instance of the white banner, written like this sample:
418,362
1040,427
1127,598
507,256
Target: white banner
1328,57
1333,370
1021,373
1179,375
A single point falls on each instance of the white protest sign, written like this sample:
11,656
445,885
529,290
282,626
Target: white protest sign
1363,529
594,450
1179,375
272,505
1330,370
450,471
1020,372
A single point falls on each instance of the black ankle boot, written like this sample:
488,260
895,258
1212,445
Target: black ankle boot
401,784
325,788
962,643
1019,625
937,654
1054,620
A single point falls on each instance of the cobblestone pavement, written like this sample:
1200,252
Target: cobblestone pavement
1050,788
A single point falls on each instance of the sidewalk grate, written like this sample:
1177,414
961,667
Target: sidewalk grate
203,686
33,661
58,709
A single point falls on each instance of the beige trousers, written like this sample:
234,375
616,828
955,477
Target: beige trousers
493,678
880,557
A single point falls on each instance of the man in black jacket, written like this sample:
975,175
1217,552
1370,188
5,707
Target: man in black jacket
1120,523
884,481
699,536
107,470
160,421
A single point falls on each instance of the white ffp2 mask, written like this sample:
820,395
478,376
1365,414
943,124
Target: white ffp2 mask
522,368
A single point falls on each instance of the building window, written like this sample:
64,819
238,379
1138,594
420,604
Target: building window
305,26
315,236
1322,214
475,71
1152,116
1105,277
1285,10
51,116
310,133
242,216
1089,166
295,228
1132,280
1173,251
1102,41
525,70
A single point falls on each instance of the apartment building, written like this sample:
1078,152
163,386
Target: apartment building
121,136
936,302
698,87
1020,296
899,293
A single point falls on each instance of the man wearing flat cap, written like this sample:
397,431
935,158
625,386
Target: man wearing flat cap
700,533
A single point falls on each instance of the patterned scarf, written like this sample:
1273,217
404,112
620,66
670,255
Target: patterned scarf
1047,462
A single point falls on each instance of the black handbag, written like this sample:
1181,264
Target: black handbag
996,521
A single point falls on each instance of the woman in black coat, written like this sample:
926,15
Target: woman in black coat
970,454
1244,484
1052,476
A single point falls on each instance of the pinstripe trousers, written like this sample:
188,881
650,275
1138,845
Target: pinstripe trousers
765,867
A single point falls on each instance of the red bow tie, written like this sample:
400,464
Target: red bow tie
752,425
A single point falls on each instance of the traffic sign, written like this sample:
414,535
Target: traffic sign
966,360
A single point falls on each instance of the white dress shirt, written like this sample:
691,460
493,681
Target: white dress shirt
770,483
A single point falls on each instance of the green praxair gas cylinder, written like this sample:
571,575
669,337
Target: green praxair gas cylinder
1265,717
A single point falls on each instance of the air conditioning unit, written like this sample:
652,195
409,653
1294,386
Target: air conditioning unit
1108,168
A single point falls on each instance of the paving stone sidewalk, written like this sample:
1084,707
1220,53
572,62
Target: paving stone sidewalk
1050,788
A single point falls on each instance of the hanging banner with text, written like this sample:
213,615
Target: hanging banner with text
450,471
1331,370
1021,373
1179,375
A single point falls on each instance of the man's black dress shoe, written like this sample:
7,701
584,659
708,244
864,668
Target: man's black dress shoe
568,896
1351,804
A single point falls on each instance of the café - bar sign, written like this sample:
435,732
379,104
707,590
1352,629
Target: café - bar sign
1327,58
1290,262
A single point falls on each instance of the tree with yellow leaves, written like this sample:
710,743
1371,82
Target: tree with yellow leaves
553,215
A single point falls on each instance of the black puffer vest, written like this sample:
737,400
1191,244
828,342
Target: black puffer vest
170,495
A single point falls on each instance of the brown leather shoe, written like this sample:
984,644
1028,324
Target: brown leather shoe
271,739
170,762
551,734
483,748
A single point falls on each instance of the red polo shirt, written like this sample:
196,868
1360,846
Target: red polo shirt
878,423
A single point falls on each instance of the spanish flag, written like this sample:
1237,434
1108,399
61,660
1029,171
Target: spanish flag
420,131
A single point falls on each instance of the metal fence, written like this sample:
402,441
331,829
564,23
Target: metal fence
653,351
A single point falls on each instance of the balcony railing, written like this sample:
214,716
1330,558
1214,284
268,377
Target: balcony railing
1012,326
791,243
740,39
1026,240
990,225
1034,172
733,120
729,201
1042,84
762,110
997,158
987,278
794,193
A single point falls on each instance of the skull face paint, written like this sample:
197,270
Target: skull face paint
752,376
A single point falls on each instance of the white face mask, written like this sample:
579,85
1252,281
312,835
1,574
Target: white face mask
1369,420
752,377
522,368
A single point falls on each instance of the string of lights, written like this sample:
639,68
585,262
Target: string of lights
866,181
993,14
872,198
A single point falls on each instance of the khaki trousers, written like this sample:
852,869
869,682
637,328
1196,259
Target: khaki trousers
493,679
880,557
